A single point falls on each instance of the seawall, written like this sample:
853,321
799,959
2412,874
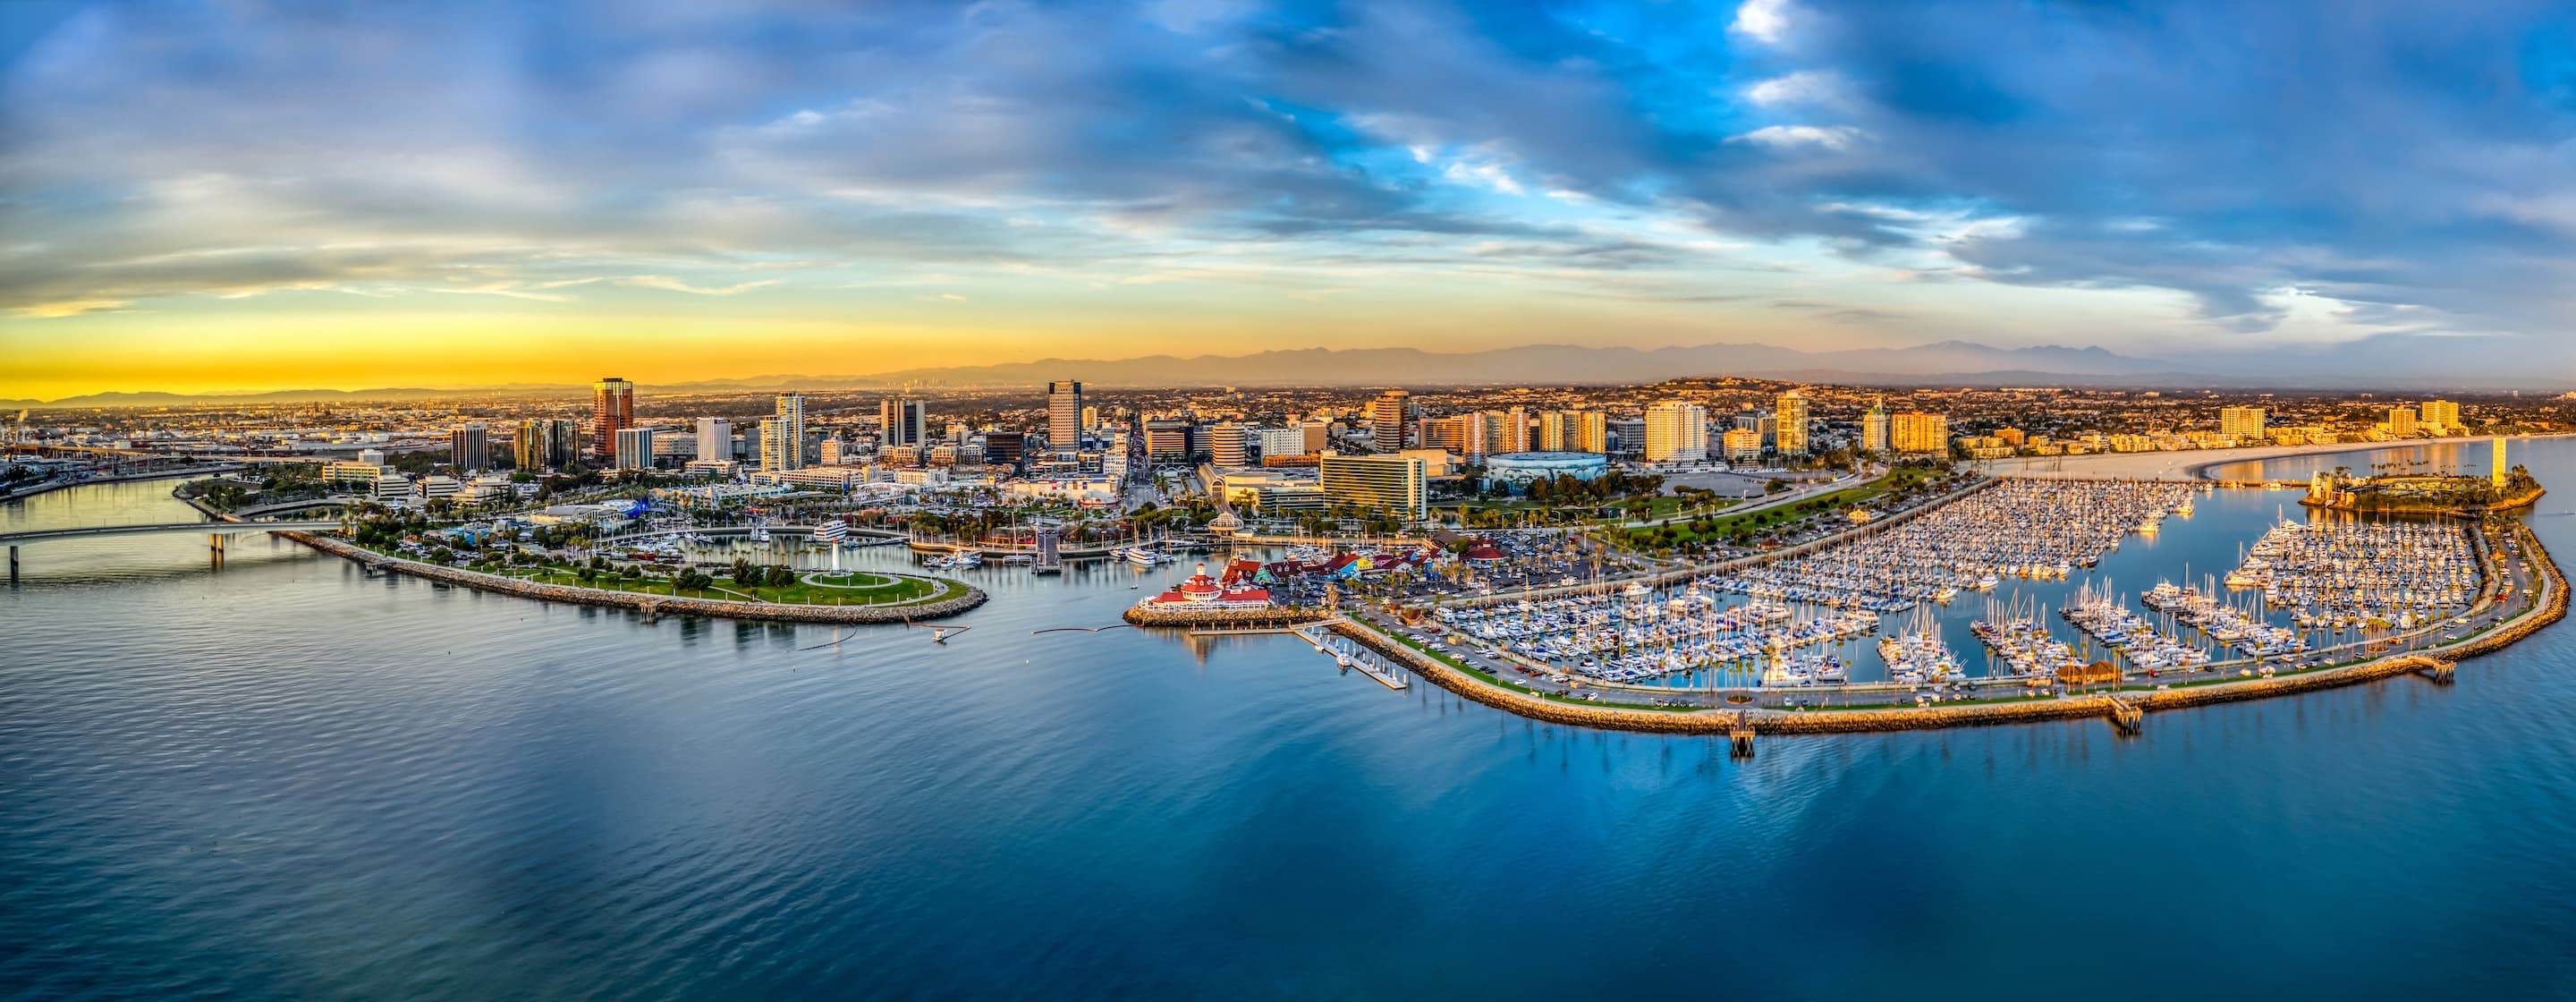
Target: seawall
649,604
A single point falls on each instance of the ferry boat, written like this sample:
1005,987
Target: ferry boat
1145,555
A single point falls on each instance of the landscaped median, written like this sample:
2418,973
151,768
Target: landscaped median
953,597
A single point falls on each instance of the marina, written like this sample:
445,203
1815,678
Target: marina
1884,610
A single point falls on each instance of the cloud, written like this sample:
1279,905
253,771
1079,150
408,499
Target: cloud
1831,137
669,284
71,308
1766,20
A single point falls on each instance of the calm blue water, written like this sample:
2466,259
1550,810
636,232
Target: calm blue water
291,778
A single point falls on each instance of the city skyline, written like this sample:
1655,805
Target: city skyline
229,199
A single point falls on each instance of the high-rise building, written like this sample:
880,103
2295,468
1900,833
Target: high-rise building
2244,424
715,438
1005,448
634,448
1064,415
2401,421
612,407
1591,432
1168,439
1552,431
1392,484
1743,445
1318,434
1228,446
1273,442
2501,473
782,438
906,422
1915,431
1792,436
1090,416
546,444
1390,416
2443,415
467,447
1630,435
1676,431
1874,430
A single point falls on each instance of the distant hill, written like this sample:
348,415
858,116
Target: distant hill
2365,364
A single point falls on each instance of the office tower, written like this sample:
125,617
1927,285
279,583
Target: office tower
2401,421
2443,415
544,444
1227,445
1792,436
467,447
1090,416
906,422
1005,448
1064,415
1168,438
1392,484
2245,424
634,449
1915,431
612,407
1390,416
715,438
1676,431
1874,429
1742,445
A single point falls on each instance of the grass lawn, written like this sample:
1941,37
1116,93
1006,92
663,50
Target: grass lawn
847,588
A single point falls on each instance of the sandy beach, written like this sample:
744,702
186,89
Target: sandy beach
2189,464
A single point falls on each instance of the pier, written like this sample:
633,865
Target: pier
1344,652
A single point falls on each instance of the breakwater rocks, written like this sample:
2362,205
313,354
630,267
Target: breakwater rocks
647,604
1724,722
1222,619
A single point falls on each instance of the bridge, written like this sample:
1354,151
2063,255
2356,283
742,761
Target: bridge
216,533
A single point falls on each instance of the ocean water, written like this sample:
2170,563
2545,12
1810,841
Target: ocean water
291,777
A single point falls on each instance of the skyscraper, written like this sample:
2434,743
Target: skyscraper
612,408
1792,435
546,444
1676,430
906,422
1226,442
1874,431
1552,435
467,446
782,438
1591,432
1064,415
715,438
1390,415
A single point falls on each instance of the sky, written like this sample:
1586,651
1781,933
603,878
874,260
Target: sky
204,196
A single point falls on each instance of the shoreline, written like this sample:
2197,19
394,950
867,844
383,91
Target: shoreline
2124,707
650,605
2194,465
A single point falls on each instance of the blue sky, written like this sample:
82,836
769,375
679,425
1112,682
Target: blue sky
899,185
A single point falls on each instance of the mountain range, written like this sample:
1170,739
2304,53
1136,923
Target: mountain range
1946,363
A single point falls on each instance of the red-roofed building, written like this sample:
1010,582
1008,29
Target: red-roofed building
1203,592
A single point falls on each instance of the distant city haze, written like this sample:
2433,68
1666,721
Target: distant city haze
204,197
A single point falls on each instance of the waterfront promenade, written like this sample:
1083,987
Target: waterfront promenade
2192,464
